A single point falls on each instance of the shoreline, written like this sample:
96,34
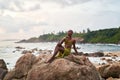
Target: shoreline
58,41
112,53
97,65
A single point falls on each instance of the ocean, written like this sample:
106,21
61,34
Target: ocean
7,49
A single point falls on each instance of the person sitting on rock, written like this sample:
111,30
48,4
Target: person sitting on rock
61,51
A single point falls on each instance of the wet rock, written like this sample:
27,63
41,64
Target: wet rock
97,54
86,54
79,53
3,69
14,51
109,60
110,70
45,51
103,63
3,72
103,59
26,51
68,68
3,64
113,57
107,55
35,49
18,47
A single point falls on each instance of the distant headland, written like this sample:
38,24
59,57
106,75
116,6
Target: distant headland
111,35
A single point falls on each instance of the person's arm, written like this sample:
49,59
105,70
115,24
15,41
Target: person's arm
61,42
57,48
74,47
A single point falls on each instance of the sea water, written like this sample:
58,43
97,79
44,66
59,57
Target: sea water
7,49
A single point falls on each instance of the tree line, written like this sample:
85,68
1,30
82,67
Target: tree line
111,35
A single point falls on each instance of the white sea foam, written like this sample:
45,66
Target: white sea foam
10,57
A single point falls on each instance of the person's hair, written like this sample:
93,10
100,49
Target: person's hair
70,31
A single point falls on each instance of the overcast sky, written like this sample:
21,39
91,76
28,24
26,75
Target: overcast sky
21,19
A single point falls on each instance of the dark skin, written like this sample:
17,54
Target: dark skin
60,48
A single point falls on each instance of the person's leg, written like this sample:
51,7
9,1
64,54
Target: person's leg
57,49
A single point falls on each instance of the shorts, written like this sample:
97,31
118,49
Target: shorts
65,53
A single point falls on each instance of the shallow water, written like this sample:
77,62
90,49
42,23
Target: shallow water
7,48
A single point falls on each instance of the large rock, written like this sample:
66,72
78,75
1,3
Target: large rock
69,68
42,58
110,70
110,78
30,67
23,65
3,69
3,64
3,72
96,54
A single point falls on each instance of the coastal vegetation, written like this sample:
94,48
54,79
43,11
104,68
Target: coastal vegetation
111,35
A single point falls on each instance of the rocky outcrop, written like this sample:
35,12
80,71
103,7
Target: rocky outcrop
69,68
23,65
96,54
26,51
19,47
110,70
30,67
110,78
3,69
3,64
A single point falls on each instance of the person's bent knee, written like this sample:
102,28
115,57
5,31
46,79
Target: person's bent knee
59,45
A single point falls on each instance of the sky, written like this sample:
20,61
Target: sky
22,19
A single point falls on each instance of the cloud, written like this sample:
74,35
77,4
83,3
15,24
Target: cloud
31,5
2,30
67,2
14,24
19,5
34,17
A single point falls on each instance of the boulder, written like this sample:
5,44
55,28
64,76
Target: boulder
3,69
68,68
45,51
34,49
23,65
26,51
19,47
3,64
96,54
42,58
103,58
110,78
30,67
10,76
109,60
3,72
110,70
